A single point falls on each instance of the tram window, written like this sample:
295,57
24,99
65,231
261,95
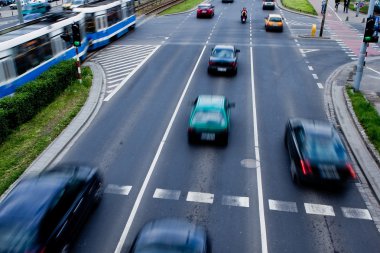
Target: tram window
32,53
90,22
131,8
114,15
7,69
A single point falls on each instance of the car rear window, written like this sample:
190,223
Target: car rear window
223,53
209,117
203,7
275,19
324,149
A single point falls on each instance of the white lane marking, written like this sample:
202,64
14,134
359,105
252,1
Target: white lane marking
130,75
351,55
284,206
166,194
310,68
235,201
263,230
315,76
320,85
155,159
201,197
118,189
356,213
354,58
303,55
319,209
373,70
117,80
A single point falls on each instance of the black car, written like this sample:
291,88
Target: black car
317,152
223,59
171,235
43,213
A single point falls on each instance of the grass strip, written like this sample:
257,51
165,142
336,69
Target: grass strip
367,115
299,5
27,142
184,6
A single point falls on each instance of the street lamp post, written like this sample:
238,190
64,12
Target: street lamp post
324,10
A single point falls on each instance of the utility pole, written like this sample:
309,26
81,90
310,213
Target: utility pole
362,55
324,10
19,11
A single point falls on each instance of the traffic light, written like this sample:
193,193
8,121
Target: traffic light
76,34
370,33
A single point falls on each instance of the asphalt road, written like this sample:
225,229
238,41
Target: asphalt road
242,193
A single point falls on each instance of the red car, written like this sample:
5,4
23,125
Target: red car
205,10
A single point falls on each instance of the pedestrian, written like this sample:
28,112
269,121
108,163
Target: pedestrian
345,5
323,10
337,2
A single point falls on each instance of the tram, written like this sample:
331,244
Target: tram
107,20
29,49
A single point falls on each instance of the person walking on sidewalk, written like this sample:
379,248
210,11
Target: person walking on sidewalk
337,2
323,10
345,6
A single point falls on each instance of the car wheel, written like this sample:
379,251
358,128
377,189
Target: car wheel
65,248
234,72
209,71
190,139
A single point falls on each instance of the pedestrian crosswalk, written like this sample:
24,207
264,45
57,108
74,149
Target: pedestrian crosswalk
279,206
120,62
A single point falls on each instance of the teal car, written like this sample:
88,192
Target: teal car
210,119
35,8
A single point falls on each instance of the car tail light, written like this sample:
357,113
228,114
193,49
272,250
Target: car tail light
233,64
351,170
306,168
190,130
211,63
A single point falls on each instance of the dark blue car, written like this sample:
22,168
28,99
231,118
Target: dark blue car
43,213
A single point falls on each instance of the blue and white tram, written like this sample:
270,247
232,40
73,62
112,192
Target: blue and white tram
29,49
107,20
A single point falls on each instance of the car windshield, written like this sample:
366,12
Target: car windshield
79,2
223,53
67,1
268,0
209,117
203,6
324,149
275,19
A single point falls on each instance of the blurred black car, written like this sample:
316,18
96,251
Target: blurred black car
43,213
223,59
171,236
316,152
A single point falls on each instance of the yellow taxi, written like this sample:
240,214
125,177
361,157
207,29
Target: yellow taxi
274,22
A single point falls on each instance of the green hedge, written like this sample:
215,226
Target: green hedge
29,99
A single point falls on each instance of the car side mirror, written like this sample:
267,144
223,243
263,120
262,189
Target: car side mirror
212,49
231,105
237,50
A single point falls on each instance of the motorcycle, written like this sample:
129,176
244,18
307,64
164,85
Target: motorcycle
243,17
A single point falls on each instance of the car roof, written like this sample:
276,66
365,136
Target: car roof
211,101
224,47
274,16
174,232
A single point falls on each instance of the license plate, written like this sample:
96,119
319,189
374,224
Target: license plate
222,69
329,172
208,136
274,24
204,11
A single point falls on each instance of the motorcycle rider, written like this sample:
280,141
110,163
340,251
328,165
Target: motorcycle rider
243,13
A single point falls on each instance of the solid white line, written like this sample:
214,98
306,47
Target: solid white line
155,159
117,189
200,197
235,201
356,213
335,13
166,194
283,206
263,230
130,75
319,209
